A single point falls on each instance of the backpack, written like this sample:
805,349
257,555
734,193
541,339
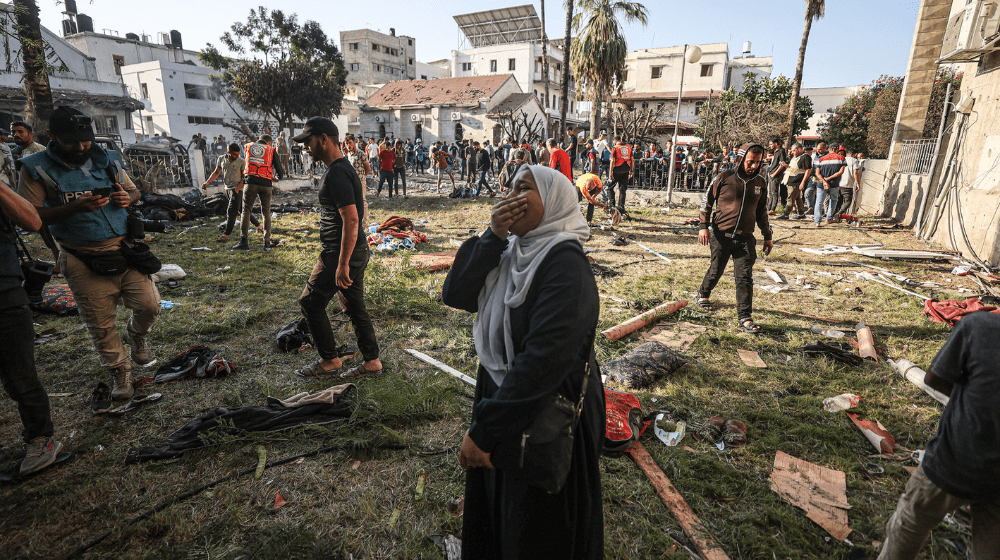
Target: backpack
293,336
624,421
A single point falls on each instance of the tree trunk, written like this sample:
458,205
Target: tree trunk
566,73
36,77
797,84
545,68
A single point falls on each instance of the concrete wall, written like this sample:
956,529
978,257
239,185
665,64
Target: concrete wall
431,71
401,66
104,48
640,69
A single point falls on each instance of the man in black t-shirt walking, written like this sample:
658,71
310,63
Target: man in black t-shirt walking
341,264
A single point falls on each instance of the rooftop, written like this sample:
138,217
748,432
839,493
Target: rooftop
442,91
631,96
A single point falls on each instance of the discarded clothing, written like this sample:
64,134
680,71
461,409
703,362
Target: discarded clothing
214,425
401,228
57,299
197,361
326,396
839,351
624,421
293,336
951,311
644,365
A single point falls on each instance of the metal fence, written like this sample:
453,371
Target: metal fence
917,156
161,171
654,175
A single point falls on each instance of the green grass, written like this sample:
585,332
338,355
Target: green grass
335,511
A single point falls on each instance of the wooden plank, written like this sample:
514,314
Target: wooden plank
751,358
442,366
689,522
622,330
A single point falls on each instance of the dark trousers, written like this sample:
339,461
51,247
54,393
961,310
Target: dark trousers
321,288
619,179
483,184
18,375
846,200
773,192
743,251
590,212
398,176
384,177
235,208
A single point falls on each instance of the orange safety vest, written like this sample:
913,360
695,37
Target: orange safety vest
622,155
260,160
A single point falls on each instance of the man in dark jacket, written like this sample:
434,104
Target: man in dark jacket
485,164
739,196
775,171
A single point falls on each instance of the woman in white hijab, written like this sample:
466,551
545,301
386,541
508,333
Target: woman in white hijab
533,289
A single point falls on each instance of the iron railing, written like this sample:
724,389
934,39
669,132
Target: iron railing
917,156
653,175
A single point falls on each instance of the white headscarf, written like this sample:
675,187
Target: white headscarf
507,285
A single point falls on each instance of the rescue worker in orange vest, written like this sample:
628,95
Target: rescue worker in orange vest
622,169
262,167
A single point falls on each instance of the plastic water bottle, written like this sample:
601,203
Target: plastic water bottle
832,333
841,402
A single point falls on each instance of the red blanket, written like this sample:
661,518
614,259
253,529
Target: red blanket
950,311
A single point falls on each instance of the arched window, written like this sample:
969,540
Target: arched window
458,132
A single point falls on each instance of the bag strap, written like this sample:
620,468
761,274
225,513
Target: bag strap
586,377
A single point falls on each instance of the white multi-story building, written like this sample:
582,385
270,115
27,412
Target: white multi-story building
824,101
79,86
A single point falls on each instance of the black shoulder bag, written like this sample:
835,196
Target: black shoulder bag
547,445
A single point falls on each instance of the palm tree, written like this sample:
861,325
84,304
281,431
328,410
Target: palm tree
36,76
600,49
566,72
815,9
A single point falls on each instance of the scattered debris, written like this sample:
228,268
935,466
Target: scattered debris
48,336
628,327
909,371
866,342
751,358
832,333
774,276
841,402
873,469
679,336
675,434
169,272
898,254
418,491
278,501
875,432
442,366
643,365
838,249
457,506
668,261
167,305
356,465
261,462
879,279
839,351
804,316
820,491
951,311
702,540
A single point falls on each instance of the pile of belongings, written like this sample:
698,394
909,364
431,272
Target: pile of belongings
394,234
197,361
950,311
623,412
388,244
839,351
171,208
463,192
643,365
294,336
219,424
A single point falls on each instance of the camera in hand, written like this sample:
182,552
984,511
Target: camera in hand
36,274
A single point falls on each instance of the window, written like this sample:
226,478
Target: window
204,120
706,70
459,133
423,76
119,62
511,63
656,73
418,131
355,66
191,91
376,68
388,70
698,106
645,105
352,46
381,131
411,62
410,41
989,61
128,120
195,91
386,50
558,66
374,46
493,66
145,91
466,67
625,76
106,125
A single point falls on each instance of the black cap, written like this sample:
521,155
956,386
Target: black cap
70,125
318,125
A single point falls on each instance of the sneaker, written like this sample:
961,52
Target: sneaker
141,354
242,245
100,400
41,452
782,217
123,389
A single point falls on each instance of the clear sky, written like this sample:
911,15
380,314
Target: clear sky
855,43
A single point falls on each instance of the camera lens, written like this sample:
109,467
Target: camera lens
152,226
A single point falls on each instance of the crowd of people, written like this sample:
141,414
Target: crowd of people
526,277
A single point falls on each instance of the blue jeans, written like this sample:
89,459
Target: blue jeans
18,374
821,194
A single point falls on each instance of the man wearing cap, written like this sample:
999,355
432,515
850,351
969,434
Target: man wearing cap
262,167
81,192
342,262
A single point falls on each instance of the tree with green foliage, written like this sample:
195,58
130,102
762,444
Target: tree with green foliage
282,69
815,9
755,114
600,48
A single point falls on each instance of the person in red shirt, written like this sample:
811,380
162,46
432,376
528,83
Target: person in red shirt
386,156
559,159
622,169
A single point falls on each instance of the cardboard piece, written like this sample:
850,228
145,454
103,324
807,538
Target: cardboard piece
702,540
875,432
821,492
751,358
774,276
677,336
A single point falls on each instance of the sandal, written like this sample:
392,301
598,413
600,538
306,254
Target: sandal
748,326
223,238
705,304
708,431
315,370
735,433
359,372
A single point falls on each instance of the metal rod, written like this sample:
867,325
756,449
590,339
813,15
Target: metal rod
677,120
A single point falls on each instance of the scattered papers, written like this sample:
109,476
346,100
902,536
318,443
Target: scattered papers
678,336
751,358
821,492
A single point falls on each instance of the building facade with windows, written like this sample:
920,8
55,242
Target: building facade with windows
372,57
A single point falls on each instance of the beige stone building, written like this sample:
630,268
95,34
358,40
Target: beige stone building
947,187
372,57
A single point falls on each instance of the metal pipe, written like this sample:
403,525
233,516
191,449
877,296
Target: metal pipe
934,158
677,120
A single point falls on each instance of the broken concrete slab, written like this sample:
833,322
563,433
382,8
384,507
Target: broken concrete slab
820,491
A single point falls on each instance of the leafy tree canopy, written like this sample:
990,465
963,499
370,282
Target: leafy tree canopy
731,118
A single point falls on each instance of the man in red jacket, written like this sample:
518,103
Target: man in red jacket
559,159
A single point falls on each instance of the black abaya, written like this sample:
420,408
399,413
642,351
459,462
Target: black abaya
507,518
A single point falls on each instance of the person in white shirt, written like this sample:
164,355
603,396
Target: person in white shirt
850,183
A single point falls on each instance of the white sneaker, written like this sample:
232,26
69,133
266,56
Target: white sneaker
41,452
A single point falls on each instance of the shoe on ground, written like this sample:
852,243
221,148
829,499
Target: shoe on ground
782,217
771,212
242,245
223,238
141,354
831,221
41,452
122,390
799,217
100,400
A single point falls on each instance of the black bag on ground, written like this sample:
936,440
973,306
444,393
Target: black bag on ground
643,365
293,336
